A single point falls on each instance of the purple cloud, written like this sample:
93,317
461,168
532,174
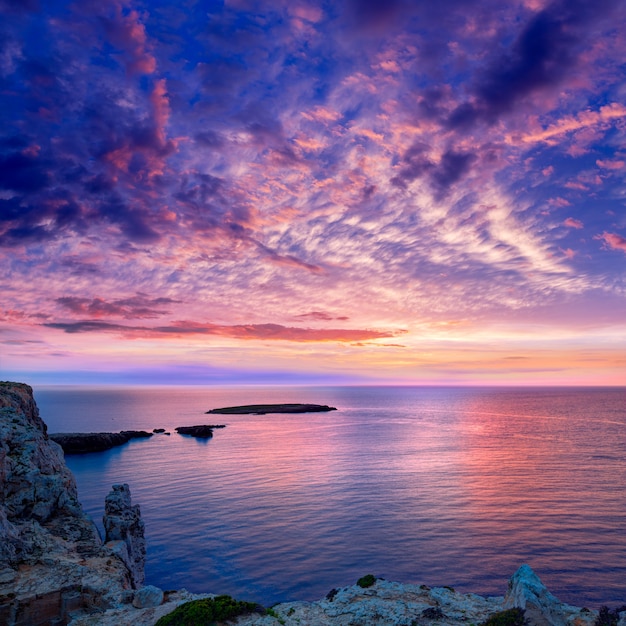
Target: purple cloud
273,332
135,307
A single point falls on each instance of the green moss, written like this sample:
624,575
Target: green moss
510,617
208,612
276,616
366,581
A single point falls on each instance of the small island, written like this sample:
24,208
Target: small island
263,409
202,431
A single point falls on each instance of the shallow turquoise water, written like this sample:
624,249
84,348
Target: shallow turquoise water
454,486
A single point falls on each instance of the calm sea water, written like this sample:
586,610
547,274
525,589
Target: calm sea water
443,486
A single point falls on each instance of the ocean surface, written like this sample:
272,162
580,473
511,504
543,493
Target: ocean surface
441,486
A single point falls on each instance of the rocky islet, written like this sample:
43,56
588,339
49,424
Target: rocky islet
264,409
84,443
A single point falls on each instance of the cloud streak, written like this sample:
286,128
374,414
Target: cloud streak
264,332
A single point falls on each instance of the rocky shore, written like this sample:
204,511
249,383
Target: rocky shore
82,443
56,569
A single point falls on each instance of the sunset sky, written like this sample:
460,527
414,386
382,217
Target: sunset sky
395,191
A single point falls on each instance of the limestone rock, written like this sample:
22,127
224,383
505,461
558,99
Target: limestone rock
34,479
148,596
123,523
526,591
52,561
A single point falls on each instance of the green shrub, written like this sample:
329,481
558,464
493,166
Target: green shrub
271,612
208,611
510,617
366,581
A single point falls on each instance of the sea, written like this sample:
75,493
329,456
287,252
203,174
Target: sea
427,485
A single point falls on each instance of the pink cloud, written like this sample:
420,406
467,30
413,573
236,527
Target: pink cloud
573,223
306,13
269,332
572,123
613,241
559,202
320,316
127,33
610,164
161,107
576,185
138,306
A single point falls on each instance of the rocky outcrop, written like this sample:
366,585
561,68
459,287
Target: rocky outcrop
383,603
52,562
202,431
148,597
526,591
82,443
262,409
124,530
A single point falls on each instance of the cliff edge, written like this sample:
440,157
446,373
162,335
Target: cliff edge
53,564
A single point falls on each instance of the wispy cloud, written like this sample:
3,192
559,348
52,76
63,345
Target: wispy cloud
613,241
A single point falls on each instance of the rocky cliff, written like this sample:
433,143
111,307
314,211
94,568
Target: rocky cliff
53,564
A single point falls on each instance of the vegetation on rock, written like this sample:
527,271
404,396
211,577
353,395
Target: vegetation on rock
366,581
510,617
208,612
606,617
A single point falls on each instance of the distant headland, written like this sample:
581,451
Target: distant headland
263,409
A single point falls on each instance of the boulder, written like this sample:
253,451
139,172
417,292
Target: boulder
148,596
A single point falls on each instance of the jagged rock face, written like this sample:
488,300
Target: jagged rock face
124,530
526,591
35,482
52,561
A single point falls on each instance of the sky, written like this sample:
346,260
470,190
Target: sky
301,191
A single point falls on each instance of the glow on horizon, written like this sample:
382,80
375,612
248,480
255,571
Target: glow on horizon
292,192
